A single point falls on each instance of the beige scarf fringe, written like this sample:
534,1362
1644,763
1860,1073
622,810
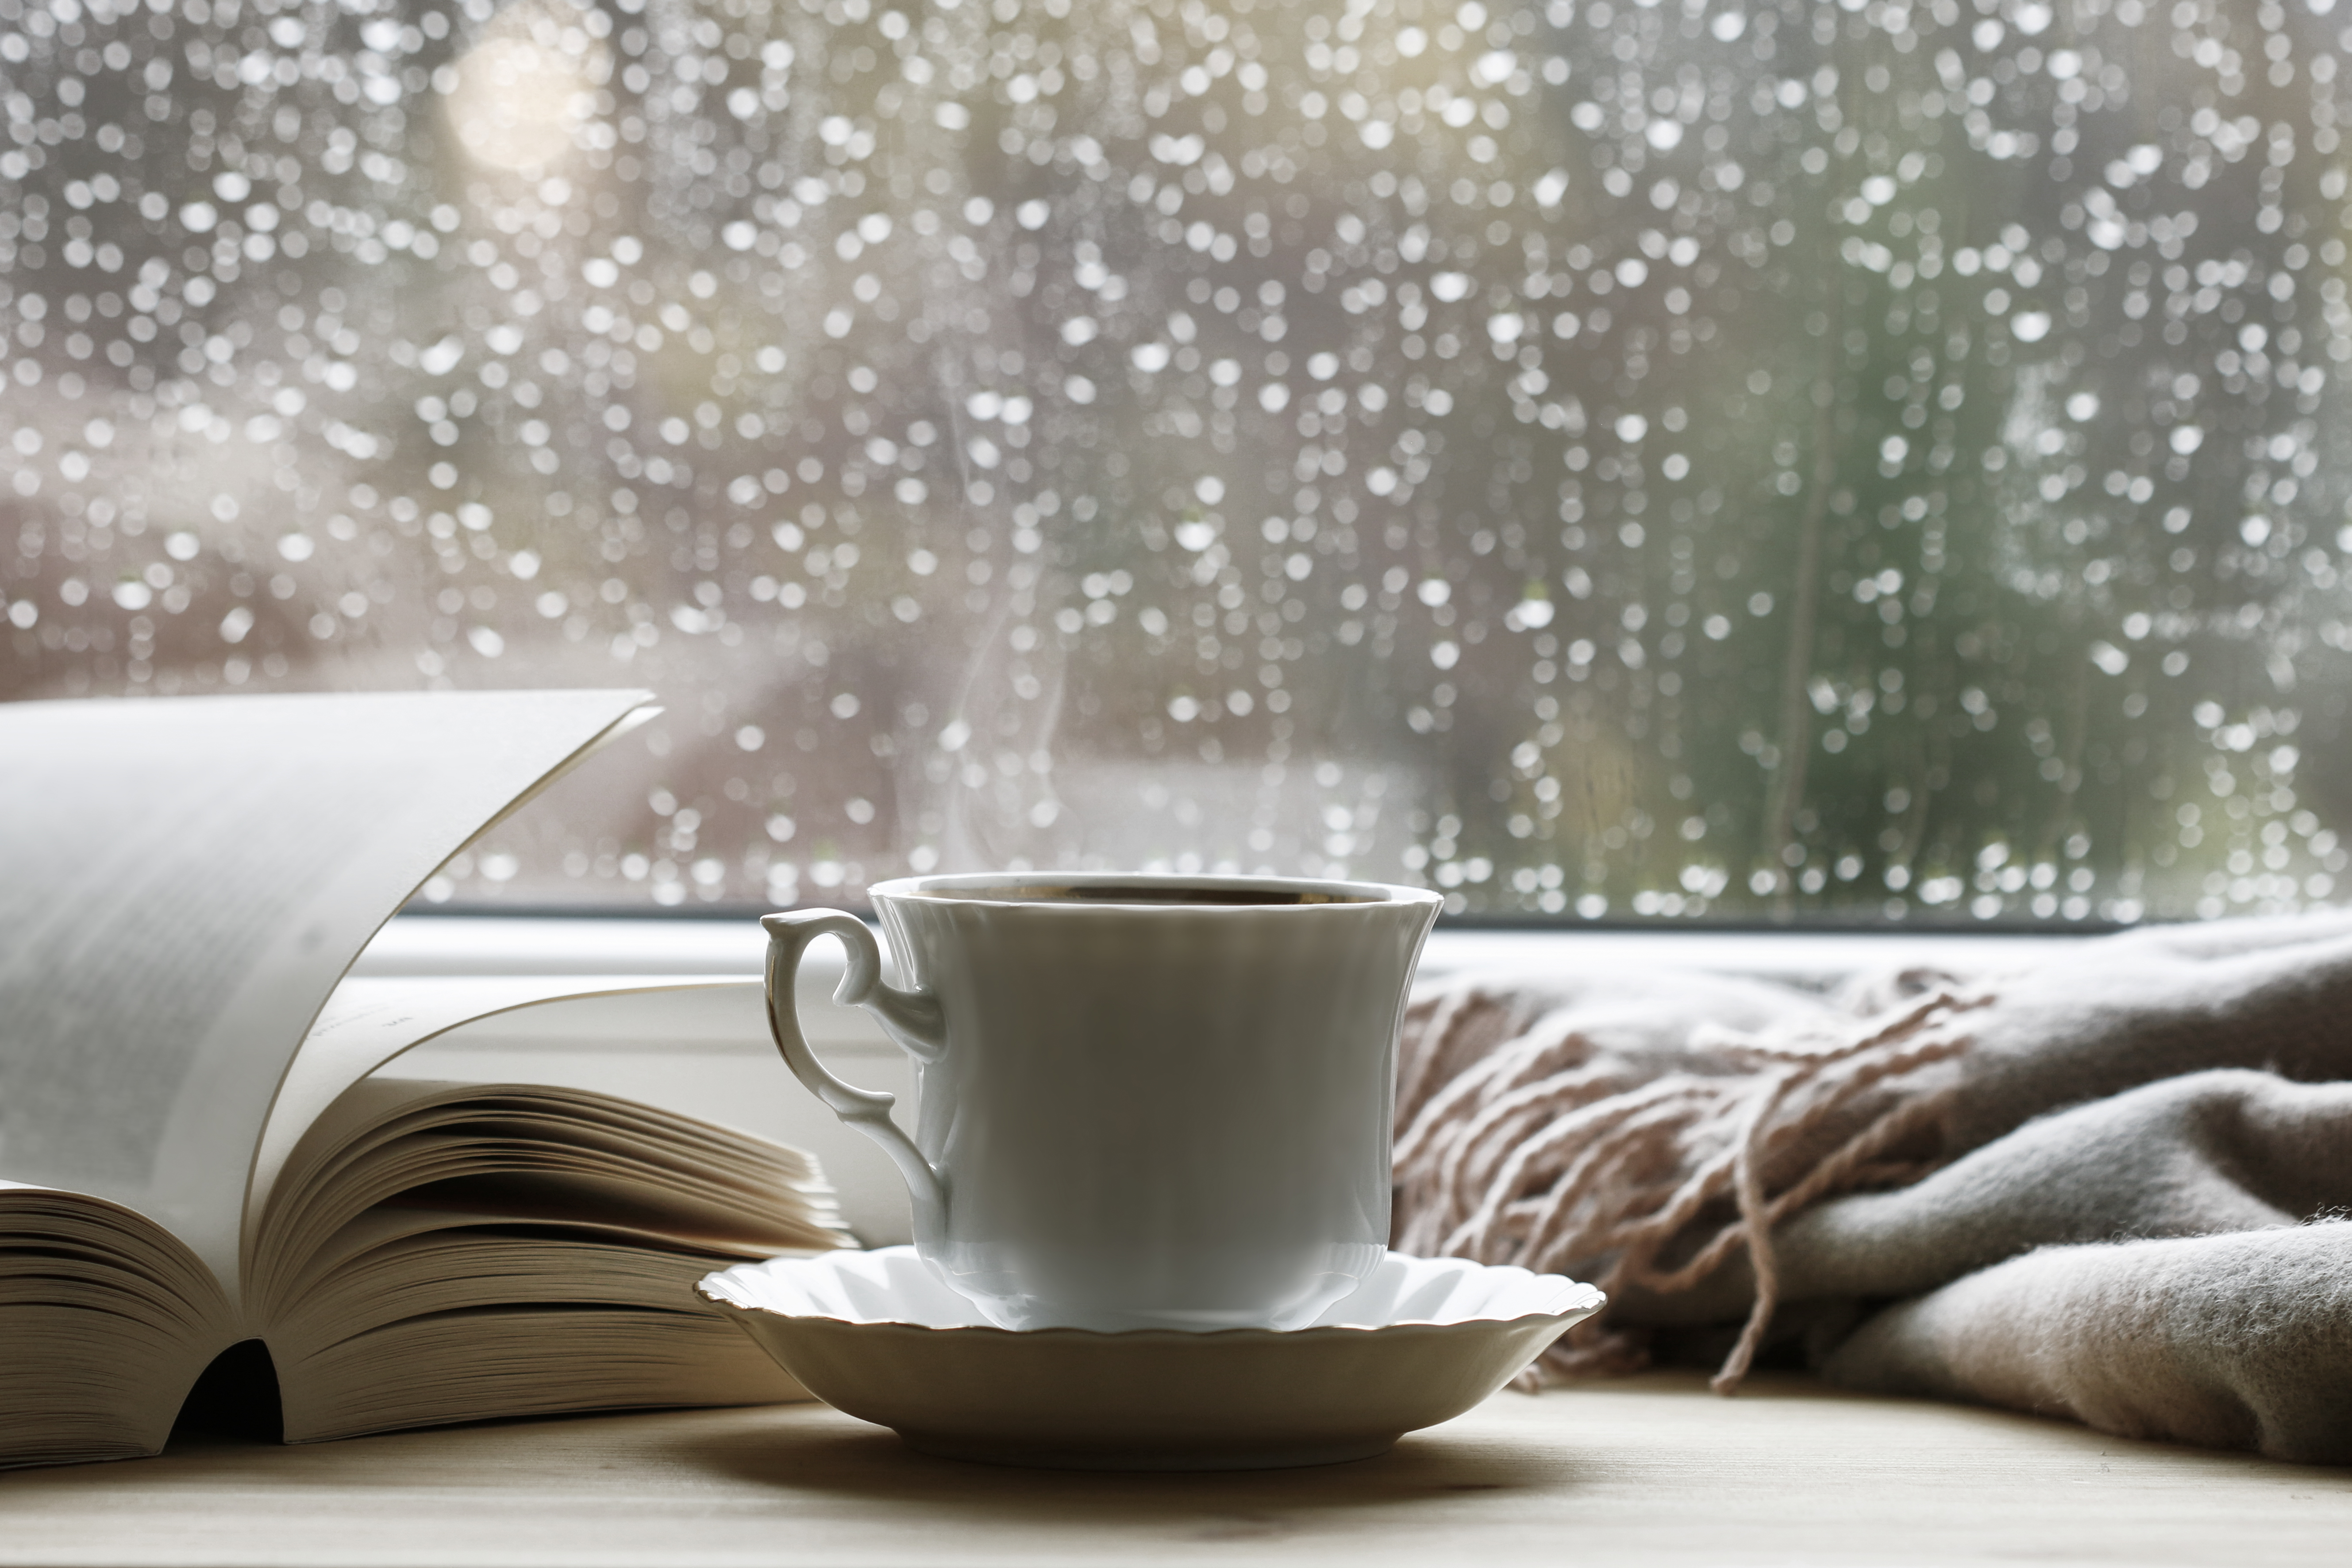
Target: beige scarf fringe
1534,1147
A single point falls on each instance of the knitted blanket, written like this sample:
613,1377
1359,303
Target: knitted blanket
2110,1187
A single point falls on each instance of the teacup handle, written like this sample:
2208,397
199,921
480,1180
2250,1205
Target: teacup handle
911,1017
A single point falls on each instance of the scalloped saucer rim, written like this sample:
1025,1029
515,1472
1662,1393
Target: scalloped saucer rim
721,1288
1145,1399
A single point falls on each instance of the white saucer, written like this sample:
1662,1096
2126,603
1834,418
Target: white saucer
879,1336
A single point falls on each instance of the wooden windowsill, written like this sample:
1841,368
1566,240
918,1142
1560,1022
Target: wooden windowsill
1652,1471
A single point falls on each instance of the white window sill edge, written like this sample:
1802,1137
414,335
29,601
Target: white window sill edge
705,1050
588,945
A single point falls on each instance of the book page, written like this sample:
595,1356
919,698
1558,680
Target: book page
369,1022
522,1154
185,882
705,1053
107,1320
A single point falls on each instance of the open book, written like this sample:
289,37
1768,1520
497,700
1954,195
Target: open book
201,1145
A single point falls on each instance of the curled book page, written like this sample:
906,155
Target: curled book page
187,880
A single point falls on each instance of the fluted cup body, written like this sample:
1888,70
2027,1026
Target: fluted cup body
1152,1102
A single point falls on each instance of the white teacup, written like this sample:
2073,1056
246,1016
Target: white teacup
1142,1101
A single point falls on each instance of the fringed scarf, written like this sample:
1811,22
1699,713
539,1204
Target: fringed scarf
1525,1139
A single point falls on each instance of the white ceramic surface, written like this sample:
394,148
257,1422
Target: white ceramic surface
892,1284
877,1335
1142,1101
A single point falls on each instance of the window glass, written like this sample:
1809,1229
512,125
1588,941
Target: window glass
1675,459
